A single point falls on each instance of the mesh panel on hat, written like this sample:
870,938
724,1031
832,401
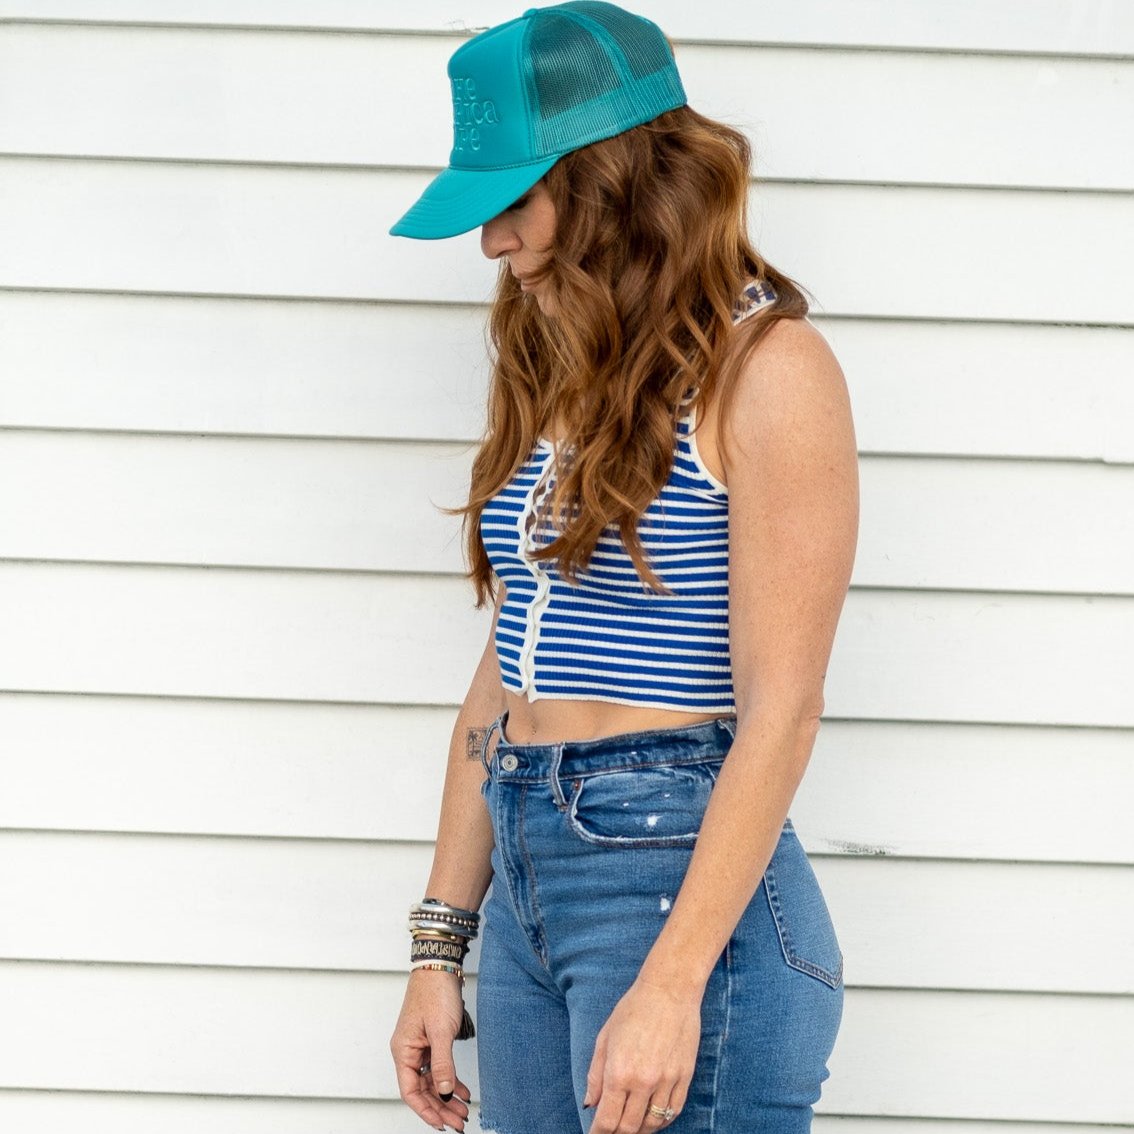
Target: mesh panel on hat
593,73
571,66
645,54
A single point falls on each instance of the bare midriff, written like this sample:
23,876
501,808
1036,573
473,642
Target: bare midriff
550,721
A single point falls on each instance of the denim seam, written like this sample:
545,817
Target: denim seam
507,868
613,769
673,842
728,724
533,888
509,880
680,762
833,979
723,1033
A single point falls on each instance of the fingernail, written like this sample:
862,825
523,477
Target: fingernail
446,1095
444,1089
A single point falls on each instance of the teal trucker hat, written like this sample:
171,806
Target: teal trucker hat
533,89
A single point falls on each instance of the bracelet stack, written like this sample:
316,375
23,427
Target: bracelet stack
441,936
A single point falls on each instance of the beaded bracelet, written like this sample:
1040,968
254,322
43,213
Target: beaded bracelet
433,908
472,915
423,924
435,914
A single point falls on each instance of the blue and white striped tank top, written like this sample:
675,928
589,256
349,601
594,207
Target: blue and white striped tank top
608,638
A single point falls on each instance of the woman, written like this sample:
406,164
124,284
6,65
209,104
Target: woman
655,949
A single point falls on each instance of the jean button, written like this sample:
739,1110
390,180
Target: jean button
509,762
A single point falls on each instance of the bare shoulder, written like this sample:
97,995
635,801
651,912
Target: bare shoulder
790,389
793,518
790,360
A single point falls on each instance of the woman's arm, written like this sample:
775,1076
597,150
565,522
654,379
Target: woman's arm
461,869
793,524
432,1010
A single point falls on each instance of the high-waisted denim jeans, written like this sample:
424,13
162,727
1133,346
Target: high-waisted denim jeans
593,839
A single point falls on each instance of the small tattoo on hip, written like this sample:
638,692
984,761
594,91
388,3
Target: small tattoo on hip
474,742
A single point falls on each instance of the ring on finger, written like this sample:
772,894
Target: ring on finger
424,1069
665,1113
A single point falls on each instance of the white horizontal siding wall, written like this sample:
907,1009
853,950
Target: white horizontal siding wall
233,631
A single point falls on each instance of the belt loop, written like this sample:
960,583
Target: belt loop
496,724
556,789
728,724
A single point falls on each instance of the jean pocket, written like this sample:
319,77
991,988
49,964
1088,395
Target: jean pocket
807,935
659,806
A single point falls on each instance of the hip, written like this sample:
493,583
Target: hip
595,836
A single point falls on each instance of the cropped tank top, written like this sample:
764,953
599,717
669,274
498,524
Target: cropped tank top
607,637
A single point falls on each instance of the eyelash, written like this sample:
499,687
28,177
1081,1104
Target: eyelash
520,203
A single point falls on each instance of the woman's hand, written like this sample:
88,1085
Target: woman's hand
644,1055
429,1021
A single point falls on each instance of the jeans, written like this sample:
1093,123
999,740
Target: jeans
592,841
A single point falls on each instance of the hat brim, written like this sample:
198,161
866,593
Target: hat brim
458,200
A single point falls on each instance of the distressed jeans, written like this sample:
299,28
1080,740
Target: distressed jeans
592,841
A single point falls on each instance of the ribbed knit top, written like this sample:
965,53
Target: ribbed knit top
609,638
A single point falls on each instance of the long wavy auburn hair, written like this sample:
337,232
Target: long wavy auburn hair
651,252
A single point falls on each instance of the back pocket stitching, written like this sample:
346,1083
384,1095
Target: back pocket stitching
834,979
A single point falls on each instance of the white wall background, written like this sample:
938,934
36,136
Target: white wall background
233,631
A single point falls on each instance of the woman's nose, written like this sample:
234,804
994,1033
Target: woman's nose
497,238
